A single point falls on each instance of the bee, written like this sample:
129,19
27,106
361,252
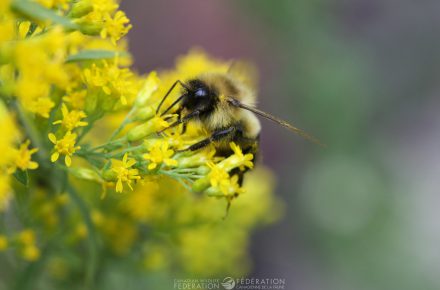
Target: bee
225,107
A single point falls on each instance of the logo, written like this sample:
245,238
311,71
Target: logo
228,283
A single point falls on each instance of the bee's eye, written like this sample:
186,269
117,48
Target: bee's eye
200,93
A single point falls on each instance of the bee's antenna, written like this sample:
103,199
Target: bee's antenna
283,123
169,91
173,104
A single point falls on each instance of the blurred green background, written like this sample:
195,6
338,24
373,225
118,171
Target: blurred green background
362,75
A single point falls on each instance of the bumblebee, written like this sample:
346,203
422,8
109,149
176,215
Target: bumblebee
225,107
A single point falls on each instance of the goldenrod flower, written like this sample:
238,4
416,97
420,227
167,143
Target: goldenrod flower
65,146
160,153
41,106
3,243
23,157
81,231
5,192
237,160
72,119
27,237
30,253
217,175
113,80
100,8
115,27
124,172
220,180
9,134
76,99
33,96
231,188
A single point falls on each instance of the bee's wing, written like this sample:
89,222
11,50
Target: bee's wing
244,71
283,123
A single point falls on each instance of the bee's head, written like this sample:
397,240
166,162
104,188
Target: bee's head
199,96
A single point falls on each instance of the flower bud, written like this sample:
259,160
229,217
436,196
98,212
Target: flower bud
80,9
201,184
197,159
109,175
148,143
192,161
150,86
203,170
214,192
92,29
84,173
91,103
141,131
144,114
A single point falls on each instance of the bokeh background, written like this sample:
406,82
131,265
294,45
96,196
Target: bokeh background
362,75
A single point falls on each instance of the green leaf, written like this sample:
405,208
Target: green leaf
93,54
35,11
22,176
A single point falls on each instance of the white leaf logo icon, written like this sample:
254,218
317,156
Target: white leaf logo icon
228,283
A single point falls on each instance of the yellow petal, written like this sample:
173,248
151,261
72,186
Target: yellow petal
124,100
131,162
52,138
23,28
33,150
119,186
68,160
33,165
170,162
151,166
103,33
54,156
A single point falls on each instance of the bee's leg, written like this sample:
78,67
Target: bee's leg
184,128
239,173
216,136
180,121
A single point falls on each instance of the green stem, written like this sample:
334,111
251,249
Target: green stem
114,142
121,153
177,177
124,123
32,133
182,174
91,265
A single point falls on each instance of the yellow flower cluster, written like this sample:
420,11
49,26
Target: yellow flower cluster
27,241
67,92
